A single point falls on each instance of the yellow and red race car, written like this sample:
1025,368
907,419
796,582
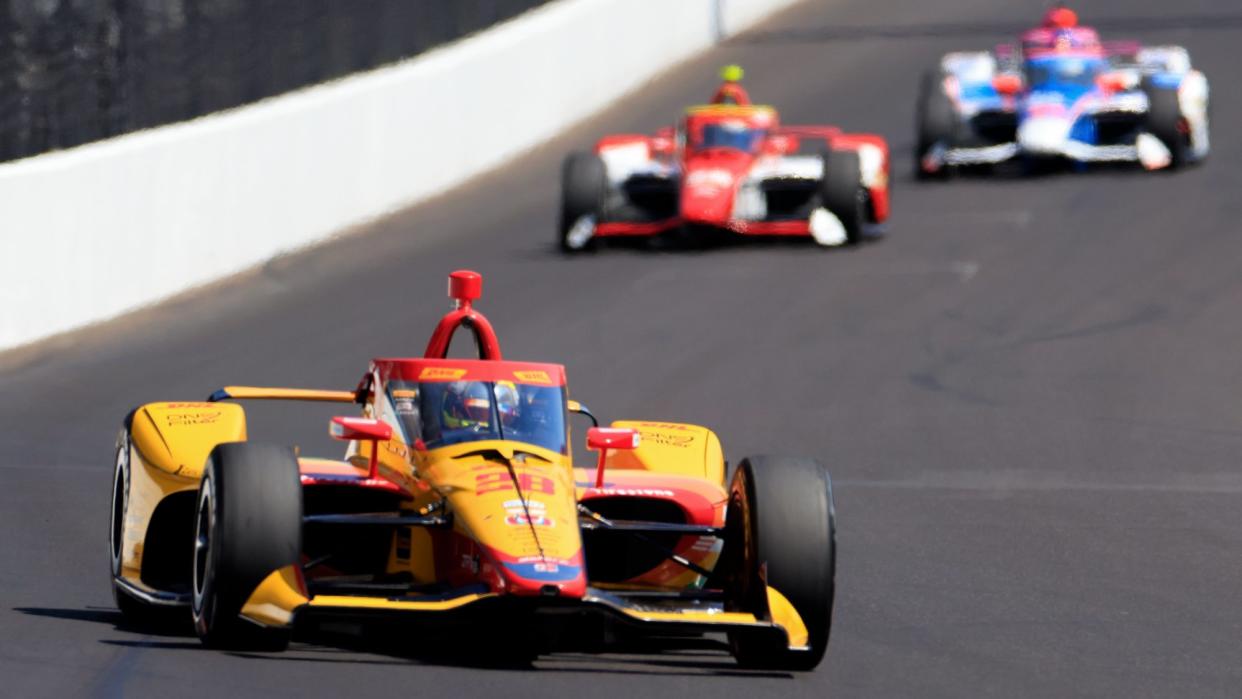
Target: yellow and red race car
458,501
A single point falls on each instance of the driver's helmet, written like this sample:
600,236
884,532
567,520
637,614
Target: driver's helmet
1060,17
508,402
465,404
731,91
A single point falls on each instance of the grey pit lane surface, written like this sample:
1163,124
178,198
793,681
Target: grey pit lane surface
1028,394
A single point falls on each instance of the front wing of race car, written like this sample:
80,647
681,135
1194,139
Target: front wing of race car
282,600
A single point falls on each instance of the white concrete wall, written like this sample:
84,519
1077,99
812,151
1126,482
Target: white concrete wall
90,233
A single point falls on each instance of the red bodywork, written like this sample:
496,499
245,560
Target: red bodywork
711,177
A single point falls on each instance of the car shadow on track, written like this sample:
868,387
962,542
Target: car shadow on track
111,617
397,646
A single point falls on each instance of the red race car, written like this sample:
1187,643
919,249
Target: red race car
730,167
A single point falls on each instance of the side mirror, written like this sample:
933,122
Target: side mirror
1007,84
605,438
365,429
362,429
612,438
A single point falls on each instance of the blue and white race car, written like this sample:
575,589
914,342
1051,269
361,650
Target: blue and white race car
1062,96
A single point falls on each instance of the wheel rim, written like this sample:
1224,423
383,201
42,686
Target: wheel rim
120,491
204,529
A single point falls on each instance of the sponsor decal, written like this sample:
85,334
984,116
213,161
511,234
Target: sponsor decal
545,559
709,180
494,481
395,447
668,440
404,392
633,492
190,419
545,568
440,373
704,544
533,376
517,514
520,520
405,407
175,406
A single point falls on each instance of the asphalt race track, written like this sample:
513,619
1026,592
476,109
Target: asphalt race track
1029,394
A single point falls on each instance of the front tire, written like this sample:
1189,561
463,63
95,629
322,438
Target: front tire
1166,122
842,192
790,537
584,182
248,524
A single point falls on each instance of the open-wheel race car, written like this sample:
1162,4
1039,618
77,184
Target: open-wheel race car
729,167
458,502
1061,95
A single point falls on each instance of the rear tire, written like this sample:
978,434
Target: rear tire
584,181
786,505
1166,122
248,524
842,192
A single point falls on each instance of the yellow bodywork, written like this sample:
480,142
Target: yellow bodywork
168,447
668,447
273,601
540,521
311,394
785,616
177,437
732,110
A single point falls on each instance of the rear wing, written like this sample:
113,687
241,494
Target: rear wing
261,393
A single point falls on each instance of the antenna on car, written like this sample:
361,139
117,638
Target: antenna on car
464,287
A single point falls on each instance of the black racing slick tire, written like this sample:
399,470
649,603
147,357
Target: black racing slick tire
842,192
248,523
1166,122
935,122
584,183
787,507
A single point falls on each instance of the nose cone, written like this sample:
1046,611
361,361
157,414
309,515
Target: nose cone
1045,134
543,576
709,185
524,543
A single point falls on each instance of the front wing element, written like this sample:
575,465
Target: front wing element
1147,150
280,598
